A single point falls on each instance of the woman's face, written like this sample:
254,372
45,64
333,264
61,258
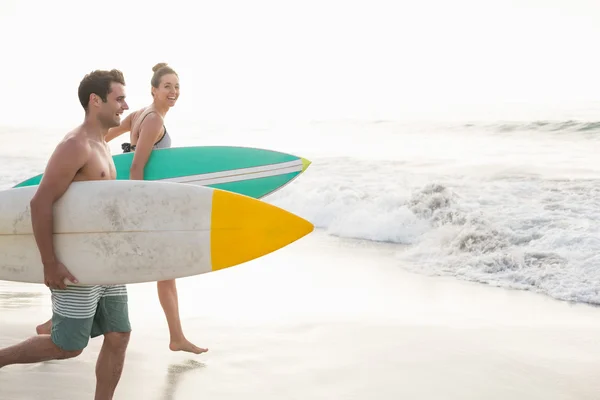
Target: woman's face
168,90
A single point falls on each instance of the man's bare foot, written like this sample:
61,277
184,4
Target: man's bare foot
186,345
45,328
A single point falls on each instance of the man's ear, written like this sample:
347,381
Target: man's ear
94,100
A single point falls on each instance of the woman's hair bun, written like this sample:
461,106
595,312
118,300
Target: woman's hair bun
158,66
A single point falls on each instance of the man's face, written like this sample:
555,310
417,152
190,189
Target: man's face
110,112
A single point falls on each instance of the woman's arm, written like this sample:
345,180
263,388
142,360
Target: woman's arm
119,130
149,132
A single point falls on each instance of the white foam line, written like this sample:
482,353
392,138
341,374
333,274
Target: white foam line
234,178
241,174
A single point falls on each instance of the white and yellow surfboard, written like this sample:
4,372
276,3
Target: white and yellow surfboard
112,232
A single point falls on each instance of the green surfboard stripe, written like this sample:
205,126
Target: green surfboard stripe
30,182
185,161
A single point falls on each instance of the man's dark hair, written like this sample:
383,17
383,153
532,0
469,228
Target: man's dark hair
98,82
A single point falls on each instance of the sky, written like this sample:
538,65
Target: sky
267,60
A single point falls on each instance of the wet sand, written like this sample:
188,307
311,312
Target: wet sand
327,319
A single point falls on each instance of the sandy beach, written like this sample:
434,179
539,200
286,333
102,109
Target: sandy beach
328,318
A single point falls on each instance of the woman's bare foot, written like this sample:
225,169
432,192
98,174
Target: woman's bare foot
45,328
186,345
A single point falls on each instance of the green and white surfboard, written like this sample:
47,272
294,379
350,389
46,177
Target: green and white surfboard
248,171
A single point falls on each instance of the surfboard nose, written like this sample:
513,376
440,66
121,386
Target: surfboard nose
243,228
305,163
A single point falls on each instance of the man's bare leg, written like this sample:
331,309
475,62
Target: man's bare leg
45,328
167,294
110,364
33,350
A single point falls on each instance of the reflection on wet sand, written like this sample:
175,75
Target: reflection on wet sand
18,294
174,375
12,300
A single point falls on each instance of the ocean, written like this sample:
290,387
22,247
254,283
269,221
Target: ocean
415,220
507,203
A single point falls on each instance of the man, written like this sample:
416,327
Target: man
80,312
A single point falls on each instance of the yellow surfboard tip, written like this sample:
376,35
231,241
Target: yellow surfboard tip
305,164
244,228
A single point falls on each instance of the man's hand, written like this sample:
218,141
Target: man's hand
55,274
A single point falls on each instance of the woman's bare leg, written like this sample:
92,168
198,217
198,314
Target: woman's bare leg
167,294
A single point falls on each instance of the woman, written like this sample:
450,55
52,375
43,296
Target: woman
148,132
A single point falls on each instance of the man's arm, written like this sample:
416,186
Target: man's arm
68,158
149,131
119,130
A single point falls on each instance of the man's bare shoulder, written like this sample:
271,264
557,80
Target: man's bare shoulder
75,145
70,156
77,139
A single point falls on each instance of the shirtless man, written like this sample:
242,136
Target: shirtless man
80,312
